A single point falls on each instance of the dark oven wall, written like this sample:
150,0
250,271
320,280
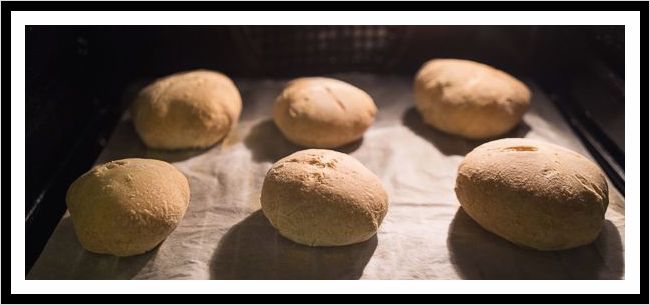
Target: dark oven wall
81,78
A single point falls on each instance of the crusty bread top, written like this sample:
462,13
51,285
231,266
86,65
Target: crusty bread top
326,100
329,172
466,81
540,168
323,112
207,91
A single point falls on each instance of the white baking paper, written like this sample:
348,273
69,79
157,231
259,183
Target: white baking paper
424,235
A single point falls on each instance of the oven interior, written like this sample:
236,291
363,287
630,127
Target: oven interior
79,81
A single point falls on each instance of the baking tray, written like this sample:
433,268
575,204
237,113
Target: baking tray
425,234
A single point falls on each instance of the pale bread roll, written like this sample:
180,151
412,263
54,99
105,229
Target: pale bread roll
469,99
186,110
320,197
127,207
322,112
533,193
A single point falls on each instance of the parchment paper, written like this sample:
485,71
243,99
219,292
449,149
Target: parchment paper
424,235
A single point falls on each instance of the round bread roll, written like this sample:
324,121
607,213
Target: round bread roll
469,99
319,197
533,193
186,110
323,112
127,207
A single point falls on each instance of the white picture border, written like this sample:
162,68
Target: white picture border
631,20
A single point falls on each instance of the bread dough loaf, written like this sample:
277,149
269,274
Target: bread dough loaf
322,197
186,110
469,99
533,193
322,112
127,207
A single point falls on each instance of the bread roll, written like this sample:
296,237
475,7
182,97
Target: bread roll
533,193
186,110
322,112
321,197
469,99
127,207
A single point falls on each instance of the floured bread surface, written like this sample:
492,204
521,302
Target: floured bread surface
533,193
127,207
186,110
469,99
322,112
321,197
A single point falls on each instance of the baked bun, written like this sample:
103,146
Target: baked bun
320,197
533,193
186,110
469,99
322,112
127,207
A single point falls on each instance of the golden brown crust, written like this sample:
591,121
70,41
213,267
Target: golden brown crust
193,109
127,207
323,112
533,193
321,197
469,99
